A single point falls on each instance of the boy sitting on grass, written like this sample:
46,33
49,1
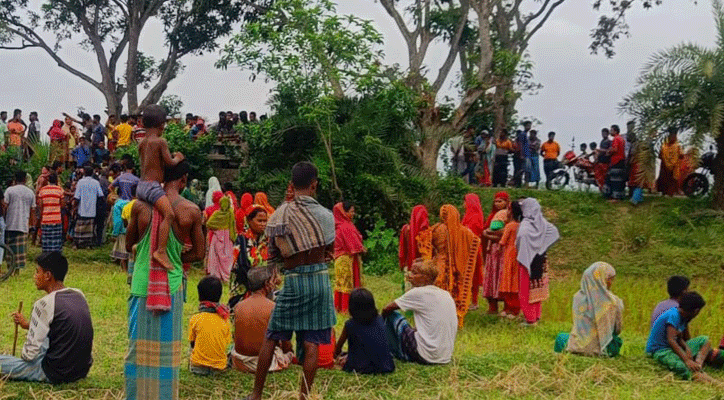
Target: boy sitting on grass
60,331
155,157
209,330
436,324
676,286
671,345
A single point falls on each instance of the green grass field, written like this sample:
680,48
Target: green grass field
493,358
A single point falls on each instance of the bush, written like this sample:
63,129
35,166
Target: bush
382,246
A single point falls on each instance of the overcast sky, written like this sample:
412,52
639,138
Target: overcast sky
580,94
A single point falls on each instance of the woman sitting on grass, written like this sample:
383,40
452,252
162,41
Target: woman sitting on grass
597,315
369,351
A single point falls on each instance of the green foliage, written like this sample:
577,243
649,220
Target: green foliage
381,245
172,104
195,151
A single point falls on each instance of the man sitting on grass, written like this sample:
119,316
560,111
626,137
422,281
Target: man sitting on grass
676,286
671,345
60,332
436,323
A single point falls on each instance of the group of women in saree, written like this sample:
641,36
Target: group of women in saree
504,254
234,229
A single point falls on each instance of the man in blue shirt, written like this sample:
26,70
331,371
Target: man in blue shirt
99,132
87,194
671,345
126,182
82,153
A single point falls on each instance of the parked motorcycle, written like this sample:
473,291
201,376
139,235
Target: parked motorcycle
580,168
697,183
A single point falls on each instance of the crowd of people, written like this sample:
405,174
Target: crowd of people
163,222
613,163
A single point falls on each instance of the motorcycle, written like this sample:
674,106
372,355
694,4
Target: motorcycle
696,184
579,167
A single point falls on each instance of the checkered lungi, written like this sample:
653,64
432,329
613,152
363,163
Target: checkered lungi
119,248
52,237
84,232
305,302
17,242
154,350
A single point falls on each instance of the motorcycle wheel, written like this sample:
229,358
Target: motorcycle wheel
558,181
695,185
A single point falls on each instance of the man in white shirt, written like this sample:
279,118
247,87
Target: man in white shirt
20,203
432,341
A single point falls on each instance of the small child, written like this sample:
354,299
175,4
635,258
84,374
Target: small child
584,148
209,330
155,158
670,343
369,352
676,286
509,276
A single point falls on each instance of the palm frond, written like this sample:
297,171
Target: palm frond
682,58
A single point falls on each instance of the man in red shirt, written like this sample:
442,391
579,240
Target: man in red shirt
616,177
50,201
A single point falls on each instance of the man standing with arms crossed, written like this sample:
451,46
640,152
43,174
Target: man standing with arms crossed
301,239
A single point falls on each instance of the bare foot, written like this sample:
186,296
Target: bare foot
161,257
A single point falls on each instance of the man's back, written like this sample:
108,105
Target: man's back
87,192
20,200
51,197
251,319
125,183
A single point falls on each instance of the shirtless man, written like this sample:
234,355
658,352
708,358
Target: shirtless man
155,157
157,336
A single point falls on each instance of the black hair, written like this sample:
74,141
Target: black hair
53,262
97,117
222,113
177,172
254,212
347,205
592,145
584,146
154,116
189,116
133,190
124,117
605,130
16,112
672,130
3,113
691,301
20,176
362,306
243,117
57,164
35,113
677,285
87,170
527,123
303,174
53,178
228,186
252,112
210,289
615,128
516,210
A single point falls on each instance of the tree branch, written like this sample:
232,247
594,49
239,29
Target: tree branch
29,35
166,76
389,6
454,47
555,5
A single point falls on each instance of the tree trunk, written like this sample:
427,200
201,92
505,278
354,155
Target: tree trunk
428,152
718,190
132,63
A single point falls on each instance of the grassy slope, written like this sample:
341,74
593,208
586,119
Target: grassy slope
493,358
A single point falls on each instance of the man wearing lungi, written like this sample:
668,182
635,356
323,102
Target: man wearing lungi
20,204
301,239
155,307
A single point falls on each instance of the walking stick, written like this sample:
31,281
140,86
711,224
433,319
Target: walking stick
15,340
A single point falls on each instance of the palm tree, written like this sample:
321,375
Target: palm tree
683,87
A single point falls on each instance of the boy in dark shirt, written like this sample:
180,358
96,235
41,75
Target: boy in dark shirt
60,332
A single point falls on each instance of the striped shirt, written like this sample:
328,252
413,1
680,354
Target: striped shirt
50,197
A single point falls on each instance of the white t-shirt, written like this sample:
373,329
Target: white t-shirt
20,200
435,319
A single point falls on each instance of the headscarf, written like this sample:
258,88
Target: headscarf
214,186
261,199
234,203
347,239
216,198
474,217
244,209
223,218
595,311
408,251
493,211
56,132
535,233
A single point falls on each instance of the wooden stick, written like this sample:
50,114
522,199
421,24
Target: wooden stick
15,340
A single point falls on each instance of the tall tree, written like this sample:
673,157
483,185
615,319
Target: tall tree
489,37
112,29
310,51
683,87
